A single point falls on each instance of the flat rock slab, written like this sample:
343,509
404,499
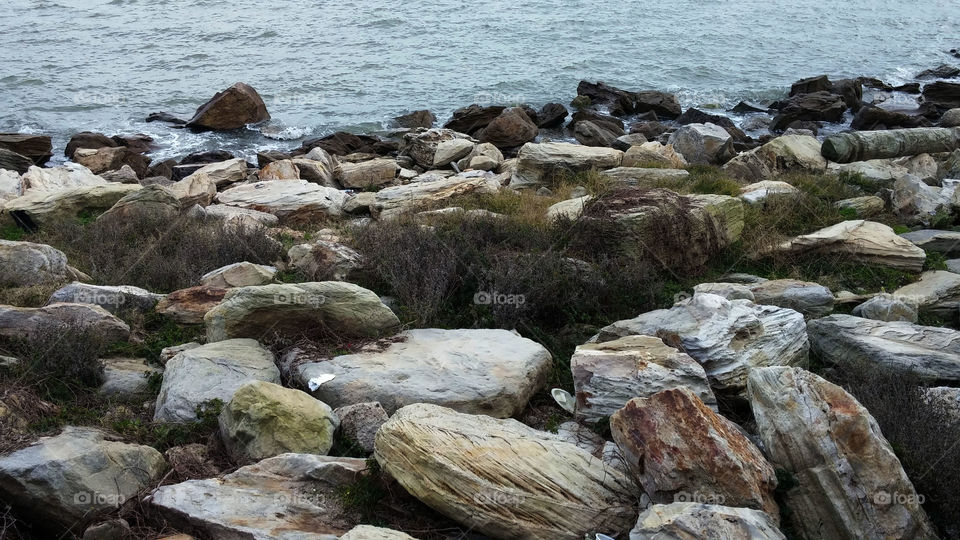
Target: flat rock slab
289,200
945,242
492,372
18,322
861,241
43,207
112,299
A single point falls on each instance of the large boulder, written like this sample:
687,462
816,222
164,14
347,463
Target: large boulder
188,306
211,372
679,448
151,205
502,478
422,119
102,160
325,259
703,143
288,497
931,353
241,274
944,95
63,481
728,337
473,118
866,242
492,372
232,108
37,208
25,263
607,375
849,482
653,154
289,200
115,299
22,322
709,521
264,419
38,148
788,153
945,242
194,189
810,299
224,173
368,174
936,292
590,134
451,150
297,309
511,129
70,175
815,106
393,201
537,162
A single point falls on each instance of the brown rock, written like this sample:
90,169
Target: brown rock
471,119
39,148
188,306
89,140
511,129
232,108
105,159
423,118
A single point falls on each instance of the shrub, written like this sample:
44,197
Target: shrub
709,179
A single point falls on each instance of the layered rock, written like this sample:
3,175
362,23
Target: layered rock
27,263
290,201
241,274
537,162
810,299
37,208
115,299
368,174
393,201
21,322
862,241
677,520
784,154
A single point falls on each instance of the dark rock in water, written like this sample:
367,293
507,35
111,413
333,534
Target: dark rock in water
955,53
551,115
650,130
232,108
851,90
161,168
945,95
663,104
531,114
473,118
341,143
871,118
819,106
808,125
648,116
589,134
422,118
139,143
909,88
13,161
820,83
696,116
872,82
88,139
214,156
180,172
269,156
165,117
620,102
744,107
943,71
611,124
38,148
511,129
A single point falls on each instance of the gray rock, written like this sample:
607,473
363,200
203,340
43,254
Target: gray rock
33,322
730,291
127,377
450,151
945,242
241,274
289,200
26,263
325,259
359,422
537,161
703,143
888,308
811,299
113,299
677,520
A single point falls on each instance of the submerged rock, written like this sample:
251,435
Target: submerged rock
232,108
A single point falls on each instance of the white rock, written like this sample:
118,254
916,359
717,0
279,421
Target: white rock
676,520
286,199
860,241
537,161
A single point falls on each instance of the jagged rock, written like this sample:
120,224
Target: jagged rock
502,478
608,375
209,372
64,480
263,420
319,167
887,307
292,496
942,94
862,207
115,299
492,372
678,447
708,521
799,153
810,299
393,201
299,308
536,162
945,242
232,108
188,306
37,208
845,470
22,322
368,174
127,378
241,274
26,263
727,337
862,241
290,201
653,154
511,129
703,143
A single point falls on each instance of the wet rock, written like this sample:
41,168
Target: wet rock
102,160
943,95
13,161
817,106
551,115
89,140
606,122
38,148
877,118
232,108
422,118
943,71
473,118
589,134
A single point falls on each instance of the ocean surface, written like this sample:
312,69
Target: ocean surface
103,65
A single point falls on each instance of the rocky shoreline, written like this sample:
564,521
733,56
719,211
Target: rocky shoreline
670,329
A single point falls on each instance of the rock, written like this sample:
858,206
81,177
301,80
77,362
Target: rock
291,201
291,496
13,161
393,201
862,207
589,134
608,375
153,205
342,143
946,399
950,118
810,299
296,309
943,71
422,146
877,118
368,174
916,202
679,520
39,148
767,189
620,102
125,175
570,209
127,378
422,118
703,143
845,470
944,95
471,119
37,208
324,169
492,372
727,337
810,85
665,105
798,153
945,242
551,115
887,307
70,175
866,242
359,423
653,154
213,371
502,478
114,529
932,354
817,106
864,145
194,189
231,215
482,150
232,108
111,298
263,420
21,322
325,260
624,142
511,129
88,140
937,291
188,306
11,186
678,447
538,161
451,150
102,160
647,177
241,274
730,291
651,130
224,173
24,264
603,121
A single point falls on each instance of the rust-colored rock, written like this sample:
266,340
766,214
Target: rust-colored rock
232,108
188,306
